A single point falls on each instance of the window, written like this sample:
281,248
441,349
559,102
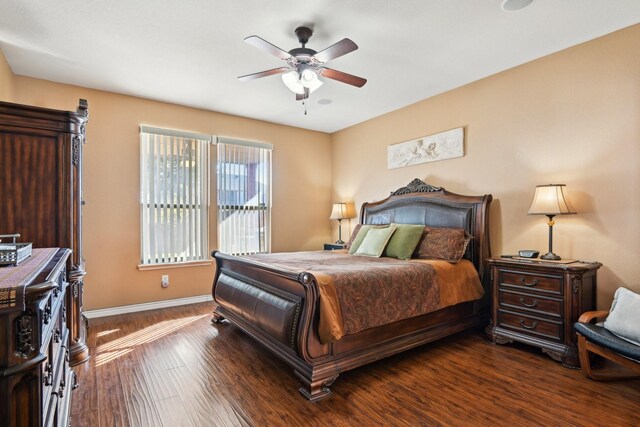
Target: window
244,196
174,196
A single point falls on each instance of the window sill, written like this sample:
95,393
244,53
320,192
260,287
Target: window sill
143,267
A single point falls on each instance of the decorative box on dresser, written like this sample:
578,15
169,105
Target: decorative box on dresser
537,303
41,198
35,377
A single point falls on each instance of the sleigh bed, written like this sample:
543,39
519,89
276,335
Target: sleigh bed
284,305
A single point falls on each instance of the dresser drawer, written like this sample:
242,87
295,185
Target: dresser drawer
532,282
530,303
545,328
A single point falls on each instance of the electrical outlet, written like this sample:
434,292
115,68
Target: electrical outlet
165,281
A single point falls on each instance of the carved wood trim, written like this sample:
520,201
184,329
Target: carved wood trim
553,354
576,283
83,108
24,335
417,186
75,155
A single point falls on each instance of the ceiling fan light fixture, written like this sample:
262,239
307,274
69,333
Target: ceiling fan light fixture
292,81
297,82
310,80
308,76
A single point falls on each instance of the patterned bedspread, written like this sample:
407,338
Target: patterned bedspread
359,292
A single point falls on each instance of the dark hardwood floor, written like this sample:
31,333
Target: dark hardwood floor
173,367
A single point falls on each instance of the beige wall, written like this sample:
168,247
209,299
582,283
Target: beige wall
6,80
572,118
301,194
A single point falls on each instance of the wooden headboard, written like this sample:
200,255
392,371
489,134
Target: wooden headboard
420,203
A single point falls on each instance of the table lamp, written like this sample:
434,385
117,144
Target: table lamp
339,212
550,200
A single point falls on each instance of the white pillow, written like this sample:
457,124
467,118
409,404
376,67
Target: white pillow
624,317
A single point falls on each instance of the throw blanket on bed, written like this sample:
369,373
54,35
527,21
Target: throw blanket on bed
359,292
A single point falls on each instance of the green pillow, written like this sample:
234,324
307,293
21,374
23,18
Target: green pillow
375,241
404,241
364,229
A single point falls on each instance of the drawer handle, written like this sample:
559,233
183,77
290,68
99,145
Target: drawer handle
57,335
47,313
533,304
531,326
48,377
61,389
535,282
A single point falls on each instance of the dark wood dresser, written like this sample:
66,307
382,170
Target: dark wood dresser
537,303
41,197
35,378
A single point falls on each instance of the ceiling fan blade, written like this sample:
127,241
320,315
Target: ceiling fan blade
334,51
267,47
263,74
349,79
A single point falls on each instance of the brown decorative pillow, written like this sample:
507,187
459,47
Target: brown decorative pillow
448,244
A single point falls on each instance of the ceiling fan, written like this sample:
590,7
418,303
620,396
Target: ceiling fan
304,64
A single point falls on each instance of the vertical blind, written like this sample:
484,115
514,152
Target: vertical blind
244,196
174,193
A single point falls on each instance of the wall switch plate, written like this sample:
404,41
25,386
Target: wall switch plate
164,281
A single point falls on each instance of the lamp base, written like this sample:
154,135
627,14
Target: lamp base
339,242
550,256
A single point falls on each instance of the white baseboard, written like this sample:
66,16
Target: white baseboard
103,312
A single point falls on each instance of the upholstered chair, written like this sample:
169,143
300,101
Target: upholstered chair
616,339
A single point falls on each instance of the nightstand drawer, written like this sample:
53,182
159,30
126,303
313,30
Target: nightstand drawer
530,303
547,329
531,282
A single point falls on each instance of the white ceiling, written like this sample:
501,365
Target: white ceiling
190,52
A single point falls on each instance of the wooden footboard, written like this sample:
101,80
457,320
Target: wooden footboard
280,310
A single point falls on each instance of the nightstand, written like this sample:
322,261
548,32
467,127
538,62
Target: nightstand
537,302
333,246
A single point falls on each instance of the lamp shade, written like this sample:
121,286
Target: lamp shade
339,211
551,199
292,81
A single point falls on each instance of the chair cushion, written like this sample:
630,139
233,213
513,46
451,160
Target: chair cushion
600,336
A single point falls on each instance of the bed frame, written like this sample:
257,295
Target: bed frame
280,309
